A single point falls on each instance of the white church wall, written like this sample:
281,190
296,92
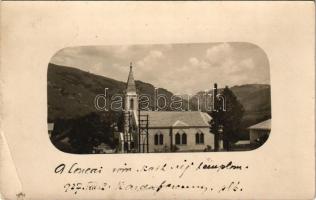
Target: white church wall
191,141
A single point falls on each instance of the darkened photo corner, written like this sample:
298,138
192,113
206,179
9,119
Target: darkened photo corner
162,98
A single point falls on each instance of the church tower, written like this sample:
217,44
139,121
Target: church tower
131,107
131,100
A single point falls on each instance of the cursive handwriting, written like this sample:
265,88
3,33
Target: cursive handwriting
233,186
75,169
178,169
181,168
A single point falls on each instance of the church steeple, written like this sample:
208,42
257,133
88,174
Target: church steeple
131,99
130,109
131,88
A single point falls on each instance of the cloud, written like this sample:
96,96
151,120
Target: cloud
231,66
178,68
199,64
121,51
222,57
194,61
149,59
153,54
218,54
218,64
247,63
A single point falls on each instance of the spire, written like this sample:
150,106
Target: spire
130,81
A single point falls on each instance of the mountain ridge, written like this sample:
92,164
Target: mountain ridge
71,94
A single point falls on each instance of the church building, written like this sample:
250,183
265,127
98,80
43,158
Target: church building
162,131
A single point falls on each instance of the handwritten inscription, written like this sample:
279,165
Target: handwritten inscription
179,169
89,186
75,188
75,169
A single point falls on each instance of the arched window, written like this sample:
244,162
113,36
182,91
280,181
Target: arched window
156,139
184,138
202,138
131,104
177,138
197,138
161,139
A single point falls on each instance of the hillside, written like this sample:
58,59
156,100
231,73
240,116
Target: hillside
256,99
71,91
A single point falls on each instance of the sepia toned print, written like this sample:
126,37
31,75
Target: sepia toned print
61,60
174,98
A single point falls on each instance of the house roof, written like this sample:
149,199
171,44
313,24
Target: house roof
130,81
265,125
177,118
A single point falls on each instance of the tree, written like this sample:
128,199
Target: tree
120,121
215,125
227,119
92,130
85,132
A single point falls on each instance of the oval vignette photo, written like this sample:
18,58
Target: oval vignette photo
161,98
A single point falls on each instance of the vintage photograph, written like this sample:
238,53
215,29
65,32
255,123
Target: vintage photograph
133,100
161,98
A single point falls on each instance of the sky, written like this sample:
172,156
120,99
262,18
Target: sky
179,68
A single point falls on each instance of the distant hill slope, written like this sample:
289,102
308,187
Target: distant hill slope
71,91
255,98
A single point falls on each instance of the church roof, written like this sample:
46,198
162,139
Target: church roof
130,81
265,125
177,118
